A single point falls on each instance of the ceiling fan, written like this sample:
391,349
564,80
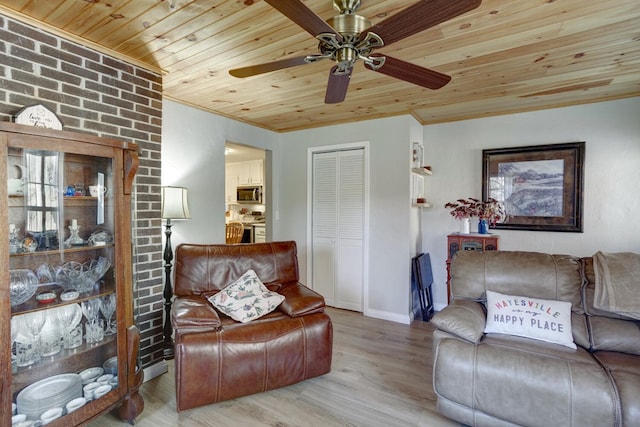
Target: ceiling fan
349,37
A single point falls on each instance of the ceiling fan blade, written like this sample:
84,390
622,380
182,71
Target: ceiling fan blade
296,11
411,73
337,86
253,70
418,17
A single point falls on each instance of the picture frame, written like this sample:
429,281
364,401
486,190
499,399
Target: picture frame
541,186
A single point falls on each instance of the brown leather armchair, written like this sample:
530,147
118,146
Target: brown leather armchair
218,358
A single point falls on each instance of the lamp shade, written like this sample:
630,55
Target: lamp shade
174,203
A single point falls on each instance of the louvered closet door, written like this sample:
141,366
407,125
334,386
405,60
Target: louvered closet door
338,227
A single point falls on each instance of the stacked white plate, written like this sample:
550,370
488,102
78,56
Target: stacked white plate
48,393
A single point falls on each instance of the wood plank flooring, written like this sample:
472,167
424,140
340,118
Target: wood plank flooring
381,376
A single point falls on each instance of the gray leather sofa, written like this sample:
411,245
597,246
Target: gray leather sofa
499,380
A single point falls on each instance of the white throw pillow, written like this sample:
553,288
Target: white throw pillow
246,299
541,319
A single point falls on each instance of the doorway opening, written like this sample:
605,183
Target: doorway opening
248,190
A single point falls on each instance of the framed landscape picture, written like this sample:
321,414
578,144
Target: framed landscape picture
540,186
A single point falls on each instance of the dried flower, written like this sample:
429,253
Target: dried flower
490,210
462,208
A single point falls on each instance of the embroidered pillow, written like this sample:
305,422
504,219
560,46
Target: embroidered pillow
246,299
545,320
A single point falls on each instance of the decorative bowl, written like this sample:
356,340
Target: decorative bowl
24,284
82,277
46,297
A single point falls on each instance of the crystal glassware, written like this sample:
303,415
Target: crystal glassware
35,322
91,309
67,317
82,277
108,308
23,285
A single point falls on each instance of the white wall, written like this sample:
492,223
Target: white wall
611,131
193,157
390,228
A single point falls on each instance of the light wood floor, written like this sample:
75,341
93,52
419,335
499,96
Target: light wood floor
381,376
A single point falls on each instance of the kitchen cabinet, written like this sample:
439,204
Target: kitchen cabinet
242,173
250,173
66,285
259,233
230,186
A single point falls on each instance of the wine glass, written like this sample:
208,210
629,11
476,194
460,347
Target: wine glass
67,317
108,308
91,309
35,322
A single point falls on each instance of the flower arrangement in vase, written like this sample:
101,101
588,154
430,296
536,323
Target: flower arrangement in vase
462,209
488,212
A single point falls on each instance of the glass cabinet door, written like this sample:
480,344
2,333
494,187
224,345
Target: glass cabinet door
62,279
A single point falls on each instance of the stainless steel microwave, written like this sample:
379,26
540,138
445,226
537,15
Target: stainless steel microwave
249,194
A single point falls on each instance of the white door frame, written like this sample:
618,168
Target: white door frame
329,148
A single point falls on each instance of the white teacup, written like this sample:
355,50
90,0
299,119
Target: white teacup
16,419
95,190
75,404
50,415
89,390
101,391
104,379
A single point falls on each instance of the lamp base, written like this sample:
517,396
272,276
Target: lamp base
167,352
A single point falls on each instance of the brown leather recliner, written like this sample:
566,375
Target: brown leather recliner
218,358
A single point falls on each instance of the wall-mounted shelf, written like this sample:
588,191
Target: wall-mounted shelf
422,171
417,186
421,205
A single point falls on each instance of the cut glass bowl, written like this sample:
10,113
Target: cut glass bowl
82,277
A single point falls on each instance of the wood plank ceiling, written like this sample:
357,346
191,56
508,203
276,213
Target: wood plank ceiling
505,56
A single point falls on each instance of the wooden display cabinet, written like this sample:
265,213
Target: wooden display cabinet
467,242
52,164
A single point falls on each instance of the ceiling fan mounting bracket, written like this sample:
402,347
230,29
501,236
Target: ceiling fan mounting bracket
346,6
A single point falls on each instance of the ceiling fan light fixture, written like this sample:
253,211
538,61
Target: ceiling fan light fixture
345,57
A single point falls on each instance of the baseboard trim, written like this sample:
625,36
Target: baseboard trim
155,370
385,315
439,307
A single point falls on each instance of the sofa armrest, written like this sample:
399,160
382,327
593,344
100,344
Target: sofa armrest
464,319
300,300
194,313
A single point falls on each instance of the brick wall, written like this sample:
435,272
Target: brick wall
94,93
